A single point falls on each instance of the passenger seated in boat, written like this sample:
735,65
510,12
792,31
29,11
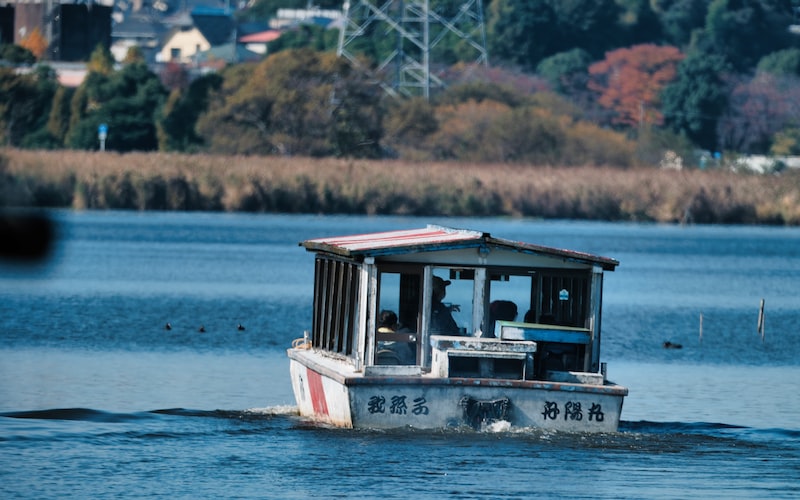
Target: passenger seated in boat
501,310
387,321
391,352
442,321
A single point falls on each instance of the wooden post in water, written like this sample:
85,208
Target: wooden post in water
701,328
761,320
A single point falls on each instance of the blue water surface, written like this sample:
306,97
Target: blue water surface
99,400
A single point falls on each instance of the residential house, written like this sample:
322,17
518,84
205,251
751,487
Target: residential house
257,42
196,32
137,30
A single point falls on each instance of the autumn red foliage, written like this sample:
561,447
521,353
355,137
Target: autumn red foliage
629,82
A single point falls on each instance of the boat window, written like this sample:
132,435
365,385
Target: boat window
451,304
542,296
335,301
565,299
399,302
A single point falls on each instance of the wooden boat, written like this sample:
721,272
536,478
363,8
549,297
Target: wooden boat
523,349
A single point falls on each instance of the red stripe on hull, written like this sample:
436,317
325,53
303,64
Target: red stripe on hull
317,392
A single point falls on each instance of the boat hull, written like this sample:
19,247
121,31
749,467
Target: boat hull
384,402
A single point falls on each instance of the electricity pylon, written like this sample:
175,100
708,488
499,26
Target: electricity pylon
408,31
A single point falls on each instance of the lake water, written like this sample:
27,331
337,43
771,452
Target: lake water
99,400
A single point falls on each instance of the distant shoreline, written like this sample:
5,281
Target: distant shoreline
162,181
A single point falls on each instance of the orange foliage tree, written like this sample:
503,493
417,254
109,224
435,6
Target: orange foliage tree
629,82
35,42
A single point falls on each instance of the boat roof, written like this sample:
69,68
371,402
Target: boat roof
434,238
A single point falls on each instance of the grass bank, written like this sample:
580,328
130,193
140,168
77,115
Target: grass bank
160,181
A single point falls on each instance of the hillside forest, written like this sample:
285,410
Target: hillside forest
618,83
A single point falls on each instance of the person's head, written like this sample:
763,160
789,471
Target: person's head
439,288
387,319
503,309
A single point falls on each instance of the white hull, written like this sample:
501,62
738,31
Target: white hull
337,396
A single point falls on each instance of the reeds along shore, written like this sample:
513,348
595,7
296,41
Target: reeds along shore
160,181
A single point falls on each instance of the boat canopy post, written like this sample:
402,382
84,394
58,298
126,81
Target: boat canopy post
367,304
427,300
595,308
479,302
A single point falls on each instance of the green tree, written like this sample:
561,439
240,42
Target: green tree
638,22
781,63
694,102
481,91
101,60
409,122
24,102
58,120
125,100
37,136
131,113
16,54
680,18
567,72
590,24
177,119
296,102
134,55
522,32
220,126
16,95
743,31
306,35
78,109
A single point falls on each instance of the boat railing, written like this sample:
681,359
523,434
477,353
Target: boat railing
454,356
546,336
396,337
515,330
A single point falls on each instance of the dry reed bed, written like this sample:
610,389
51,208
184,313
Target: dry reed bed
160,181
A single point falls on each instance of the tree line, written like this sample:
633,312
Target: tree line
570,82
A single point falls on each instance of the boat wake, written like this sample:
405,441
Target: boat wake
665,436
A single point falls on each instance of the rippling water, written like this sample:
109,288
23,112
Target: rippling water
98,399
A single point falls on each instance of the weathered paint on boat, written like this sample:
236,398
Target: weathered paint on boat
543,372
434,403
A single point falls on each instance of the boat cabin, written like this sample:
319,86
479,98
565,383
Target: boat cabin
442,302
